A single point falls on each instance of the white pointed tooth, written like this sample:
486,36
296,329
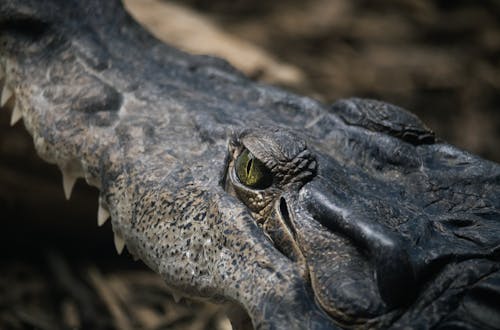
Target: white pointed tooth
119,243
6,95
177,297
69,180
17,114
102,216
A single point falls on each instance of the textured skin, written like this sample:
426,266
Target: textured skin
370,222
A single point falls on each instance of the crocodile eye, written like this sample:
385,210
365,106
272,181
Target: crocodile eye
252,172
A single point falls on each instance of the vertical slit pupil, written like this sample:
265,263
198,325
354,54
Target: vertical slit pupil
249,165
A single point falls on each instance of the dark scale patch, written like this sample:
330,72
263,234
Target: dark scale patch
188,204
88,94
103,118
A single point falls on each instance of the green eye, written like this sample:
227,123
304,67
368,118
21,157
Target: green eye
252,172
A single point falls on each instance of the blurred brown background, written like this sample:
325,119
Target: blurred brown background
440,59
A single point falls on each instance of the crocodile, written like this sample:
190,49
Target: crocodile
305,215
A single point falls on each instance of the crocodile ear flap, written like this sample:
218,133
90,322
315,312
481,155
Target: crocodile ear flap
383,117
389,251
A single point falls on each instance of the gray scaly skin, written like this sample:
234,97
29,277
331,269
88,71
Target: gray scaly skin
364,219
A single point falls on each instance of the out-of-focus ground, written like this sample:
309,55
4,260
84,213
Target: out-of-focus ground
440,59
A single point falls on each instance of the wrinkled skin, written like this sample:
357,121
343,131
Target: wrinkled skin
365,218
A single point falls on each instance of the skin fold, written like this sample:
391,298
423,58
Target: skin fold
353,215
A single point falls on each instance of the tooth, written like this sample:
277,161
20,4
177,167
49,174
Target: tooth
102,216
119,243
6,94
17,114
69,180
177,297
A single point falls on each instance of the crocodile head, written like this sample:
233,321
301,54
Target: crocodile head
307,216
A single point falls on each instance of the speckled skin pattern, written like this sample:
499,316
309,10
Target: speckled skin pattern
370,221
